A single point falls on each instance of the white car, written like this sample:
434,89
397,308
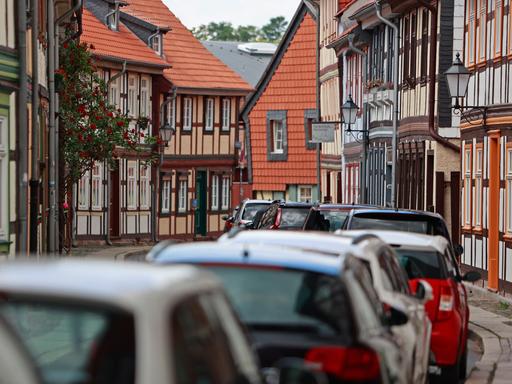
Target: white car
389,280
16,365
105,322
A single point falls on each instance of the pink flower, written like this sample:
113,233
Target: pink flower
65,205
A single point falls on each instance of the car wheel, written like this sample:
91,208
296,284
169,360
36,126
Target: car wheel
450,374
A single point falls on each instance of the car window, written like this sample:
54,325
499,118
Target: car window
293,218
269,298
393,275
73,344
365,307
325,220
201,351
421,264
399,274
269,217
450,266
251,210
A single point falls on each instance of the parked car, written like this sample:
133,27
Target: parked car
423,222
430,258
302,304
244,213
282,215
104,323
16,364
389,279
328,217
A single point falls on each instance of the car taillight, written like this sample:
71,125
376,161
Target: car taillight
350,364
446,300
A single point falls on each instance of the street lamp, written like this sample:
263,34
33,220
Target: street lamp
457,77
166,133
349,112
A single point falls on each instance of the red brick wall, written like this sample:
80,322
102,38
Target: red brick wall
293,89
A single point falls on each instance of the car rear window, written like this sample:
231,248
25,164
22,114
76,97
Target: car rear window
421,264
325,220
74,345
399,222
251,210
286,300
293,218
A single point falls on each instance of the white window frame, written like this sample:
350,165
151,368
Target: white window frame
4,180
84,191
479,157
182,195
131,186
304,197
166,196
226,114
226,195
467,185
132,95
145,102
508,181
144,186
215,193
209,117
277,127
97,187
187,114
482,30
171,113
156,44
114,92
472,33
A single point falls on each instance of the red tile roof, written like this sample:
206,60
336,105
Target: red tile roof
192,65
121,45
292,88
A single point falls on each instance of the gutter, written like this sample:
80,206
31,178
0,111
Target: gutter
394,144
109,181
433,9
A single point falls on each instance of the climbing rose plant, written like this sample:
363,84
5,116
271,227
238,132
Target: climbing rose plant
92,129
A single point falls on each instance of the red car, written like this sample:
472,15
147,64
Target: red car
430,258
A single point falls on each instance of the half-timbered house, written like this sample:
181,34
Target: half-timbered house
486,156
278,117
197,171
116,204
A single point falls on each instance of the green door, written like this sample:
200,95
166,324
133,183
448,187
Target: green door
200,214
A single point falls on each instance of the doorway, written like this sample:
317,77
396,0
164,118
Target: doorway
201,198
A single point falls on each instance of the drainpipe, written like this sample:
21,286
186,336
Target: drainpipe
318,104
344,82
34,180
396,112
22,136
433,9
109,180
366,133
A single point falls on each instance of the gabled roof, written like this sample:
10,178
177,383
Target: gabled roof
193,67
117,46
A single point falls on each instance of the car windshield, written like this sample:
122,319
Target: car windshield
398,222
73,345
420,264
287,300
293,218
251,210
325,220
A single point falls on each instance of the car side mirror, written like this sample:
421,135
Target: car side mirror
225,217
459,249
424,291
249,225
471,276
396,317
294,371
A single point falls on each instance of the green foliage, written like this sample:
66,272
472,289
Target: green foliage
223,31
92,129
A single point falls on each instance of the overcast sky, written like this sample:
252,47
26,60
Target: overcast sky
238,12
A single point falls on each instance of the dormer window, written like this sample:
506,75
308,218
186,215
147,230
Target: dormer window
156,44
112,18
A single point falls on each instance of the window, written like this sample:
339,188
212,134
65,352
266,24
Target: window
144,98
83,191
97,186
226,186
208,114
182,194
478,187
113,95
113,19
4,166
171,113
305,194
467,186
407,48
145,191
226,114
414,26
276,136
156,44
424,44
471,31
166,196
131,185
482,29
309,119
509,190
215,193
498,28
132,96
187,113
